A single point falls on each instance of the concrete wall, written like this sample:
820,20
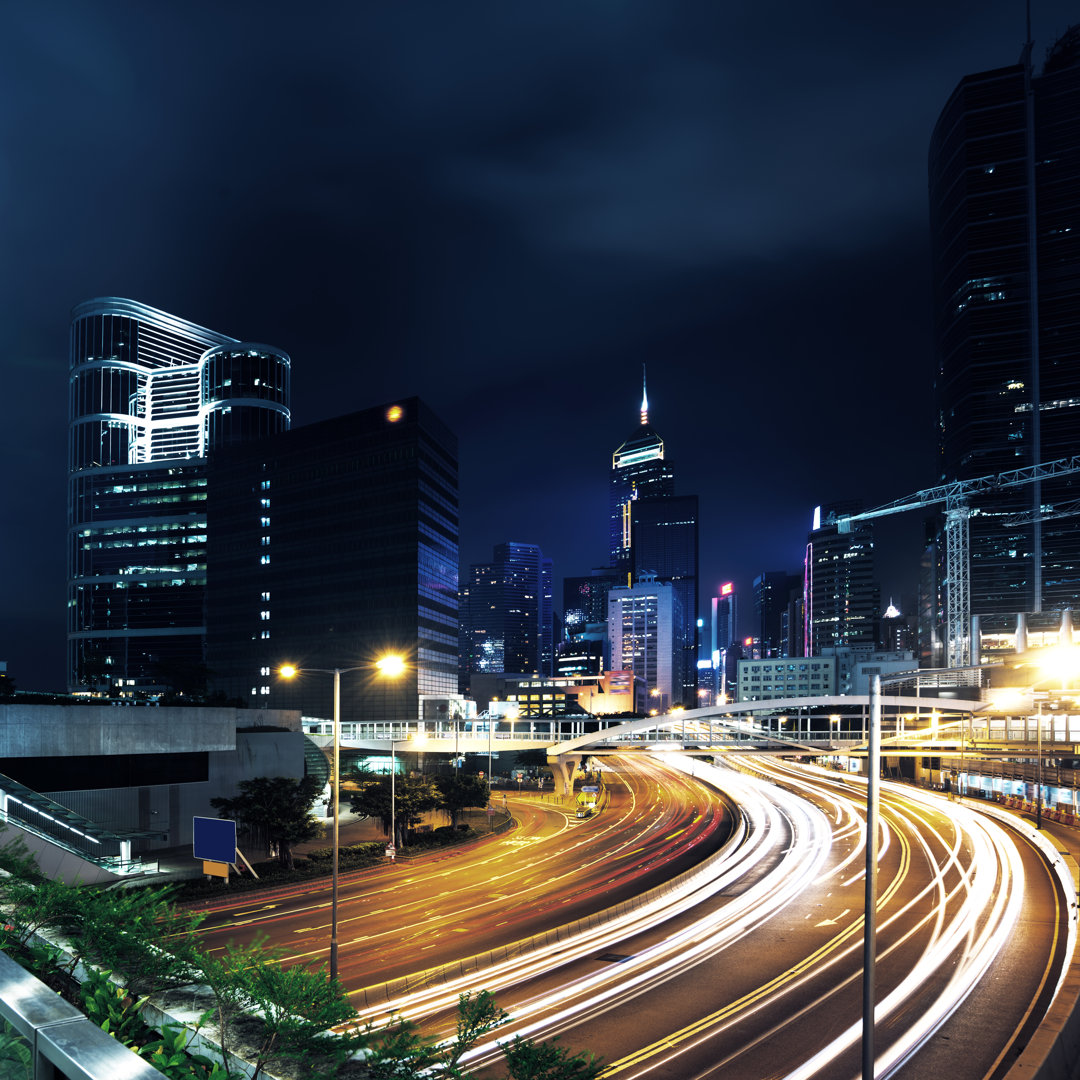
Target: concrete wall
169,808
92,730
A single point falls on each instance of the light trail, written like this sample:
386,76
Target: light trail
976,888
763,837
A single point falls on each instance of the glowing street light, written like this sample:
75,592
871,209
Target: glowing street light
387,665
1060,663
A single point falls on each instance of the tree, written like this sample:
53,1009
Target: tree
457,793
7,686
528,1060
413,796
278,805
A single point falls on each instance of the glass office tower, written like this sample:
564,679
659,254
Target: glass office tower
1004,171
664,534
506,613
149,395
638,471
332,545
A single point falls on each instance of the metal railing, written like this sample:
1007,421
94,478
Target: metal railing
43,1037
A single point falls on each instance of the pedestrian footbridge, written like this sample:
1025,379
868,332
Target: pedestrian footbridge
801,726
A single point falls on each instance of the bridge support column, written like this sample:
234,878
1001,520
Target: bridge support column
566,775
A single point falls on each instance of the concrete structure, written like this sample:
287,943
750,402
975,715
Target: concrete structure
856,665
786,677
140,771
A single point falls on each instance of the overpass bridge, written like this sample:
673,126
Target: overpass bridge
911,725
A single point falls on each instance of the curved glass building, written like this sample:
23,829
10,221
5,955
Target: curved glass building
150,395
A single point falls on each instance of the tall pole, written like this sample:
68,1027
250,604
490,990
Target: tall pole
337,805
393,776
1038,797
873,768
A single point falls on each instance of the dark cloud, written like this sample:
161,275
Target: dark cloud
507,209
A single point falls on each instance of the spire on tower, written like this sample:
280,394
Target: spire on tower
644,398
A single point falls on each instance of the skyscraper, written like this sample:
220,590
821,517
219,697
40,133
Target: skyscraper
664,533
842,597
150,395
638,471
506,613
773,595
1004,171
642,621
724,638
332,545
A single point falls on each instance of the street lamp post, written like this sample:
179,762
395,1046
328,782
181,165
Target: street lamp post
392,665
873,769
288,671
393,800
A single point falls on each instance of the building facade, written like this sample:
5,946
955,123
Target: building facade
786,677
664,534
332,546
774,593
150,396
507,619
1004,177
842,597
638,471
642,629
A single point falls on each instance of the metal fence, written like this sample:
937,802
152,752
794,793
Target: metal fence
43,1037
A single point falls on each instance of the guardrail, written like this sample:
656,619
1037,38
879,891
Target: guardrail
42,1036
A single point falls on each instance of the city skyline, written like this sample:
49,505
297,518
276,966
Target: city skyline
506,212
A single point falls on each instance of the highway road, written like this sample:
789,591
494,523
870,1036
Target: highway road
761,976
748,966
551,870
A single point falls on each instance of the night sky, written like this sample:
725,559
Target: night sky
505,208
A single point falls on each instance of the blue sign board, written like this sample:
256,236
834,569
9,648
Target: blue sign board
214,839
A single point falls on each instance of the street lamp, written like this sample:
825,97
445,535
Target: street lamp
290,671
391,666
1061,662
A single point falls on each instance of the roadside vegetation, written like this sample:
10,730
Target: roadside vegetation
251,1015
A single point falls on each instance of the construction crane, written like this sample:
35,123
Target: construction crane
955,496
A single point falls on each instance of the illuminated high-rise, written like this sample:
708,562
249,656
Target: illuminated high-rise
642,628
331,546
842,596
1004,173
150,395
664,536
506,613
638,471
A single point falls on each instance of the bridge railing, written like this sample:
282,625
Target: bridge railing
49,1038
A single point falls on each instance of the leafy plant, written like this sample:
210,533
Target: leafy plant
16,1057
112,1008
171,1055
